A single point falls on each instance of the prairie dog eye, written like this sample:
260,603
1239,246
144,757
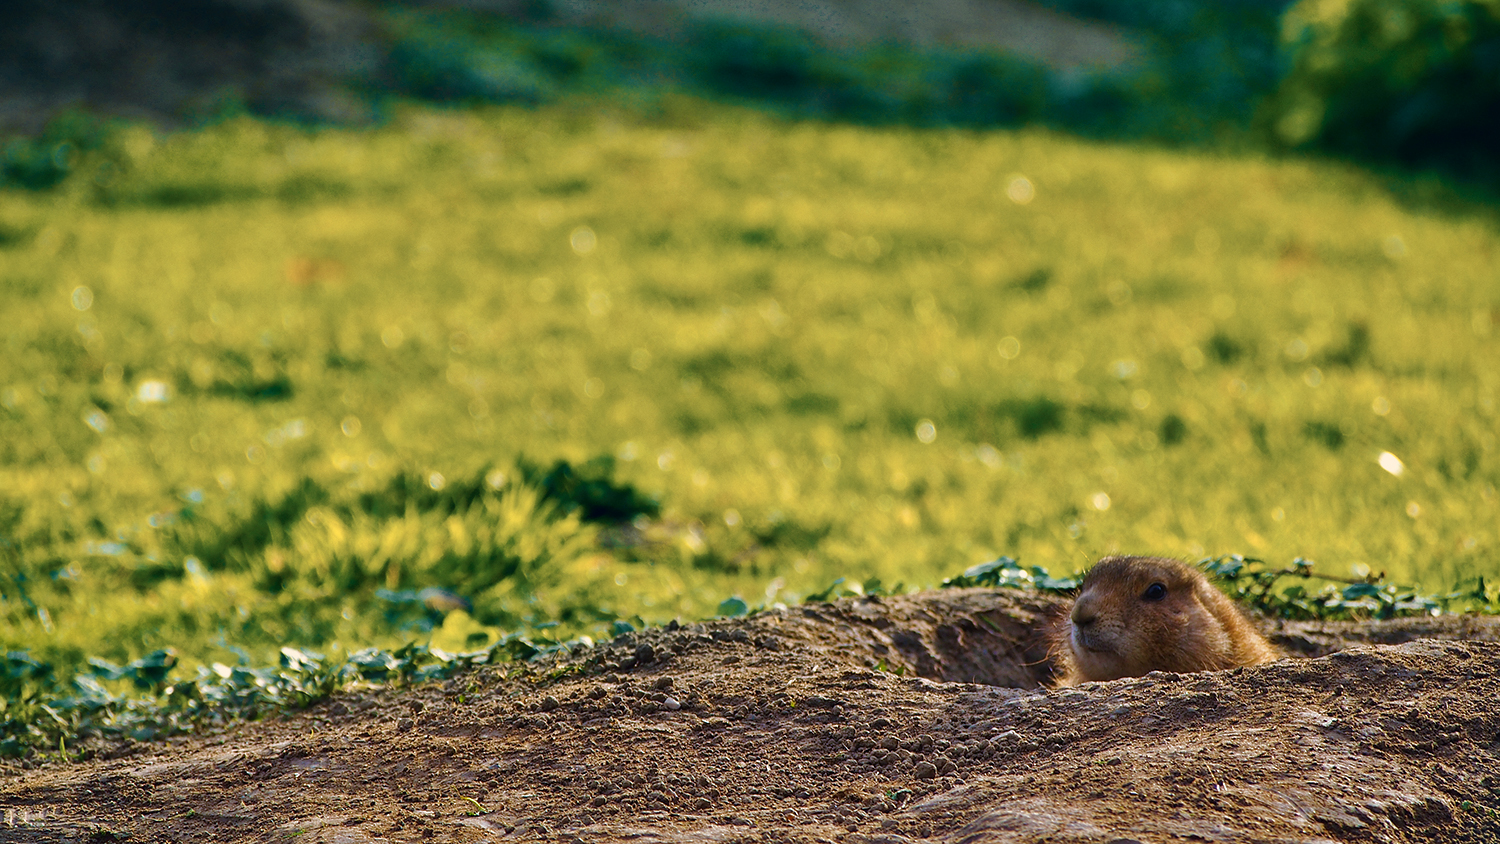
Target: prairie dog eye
1154,592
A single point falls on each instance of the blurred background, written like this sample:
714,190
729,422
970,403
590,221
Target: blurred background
1399,81
343,339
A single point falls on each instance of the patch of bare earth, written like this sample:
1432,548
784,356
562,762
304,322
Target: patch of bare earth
782,728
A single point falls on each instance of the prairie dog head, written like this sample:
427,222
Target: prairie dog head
1135,615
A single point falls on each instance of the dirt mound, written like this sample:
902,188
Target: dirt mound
866,720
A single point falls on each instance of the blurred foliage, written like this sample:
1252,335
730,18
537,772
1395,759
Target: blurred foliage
1415,82
46,160
476,57
438,59
1007,573
1405,81
1208,63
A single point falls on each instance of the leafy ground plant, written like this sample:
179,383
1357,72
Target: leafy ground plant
144,700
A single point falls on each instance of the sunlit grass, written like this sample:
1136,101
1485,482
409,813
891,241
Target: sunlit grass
829,351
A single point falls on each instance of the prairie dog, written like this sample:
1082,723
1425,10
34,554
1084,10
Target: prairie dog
1135,615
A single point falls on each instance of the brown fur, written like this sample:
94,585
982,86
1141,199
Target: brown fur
1114,630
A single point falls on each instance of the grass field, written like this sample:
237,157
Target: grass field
262,386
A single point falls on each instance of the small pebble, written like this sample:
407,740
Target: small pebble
672,703
549,703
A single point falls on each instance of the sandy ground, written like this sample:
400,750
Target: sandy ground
867,720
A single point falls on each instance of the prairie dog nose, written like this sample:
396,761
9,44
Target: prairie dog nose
1084,612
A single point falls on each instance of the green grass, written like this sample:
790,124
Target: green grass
369,341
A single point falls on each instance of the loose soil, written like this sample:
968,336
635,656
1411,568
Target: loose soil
865,720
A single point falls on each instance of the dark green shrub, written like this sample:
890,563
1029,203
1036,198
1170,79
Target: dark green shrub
42,162
1204,64
889,84
437,65
1411,81
764,63
987,89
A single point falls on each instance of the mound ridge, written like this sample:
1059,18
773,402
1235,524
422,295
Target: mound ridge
889,720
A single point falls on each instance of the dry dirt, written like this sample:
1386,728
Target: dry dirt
867,720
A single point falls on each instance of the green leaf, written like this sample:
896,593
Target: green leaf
152,669
733,607
814,598
298,660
